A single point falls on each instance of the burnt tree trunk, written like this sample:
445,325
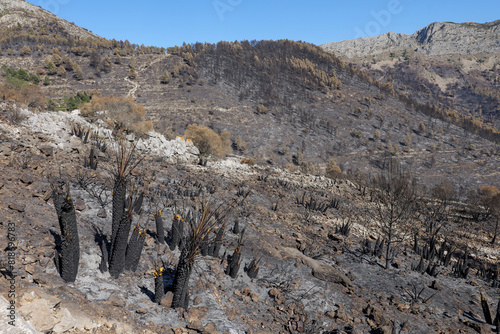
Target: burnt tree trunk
159,288
70,247
181,281
119,247
119,194
160,231
134,249
177,233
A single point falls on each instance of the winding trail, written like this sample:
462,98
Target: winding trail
136,85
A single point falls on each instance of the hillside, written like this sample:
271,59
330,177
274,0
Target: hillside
450,65
350,196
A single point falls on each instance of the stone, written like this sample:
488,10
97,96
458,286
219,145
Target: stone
117,301
16,206
376,316
196,325
27,178
47,150
166,301
197,301
5,151
320,269
141,310
46,280
102,213
277,296
436,286
80,204
210,328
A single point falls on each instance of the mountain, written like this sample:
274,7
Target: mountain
436,39
448,65
286,103
16,13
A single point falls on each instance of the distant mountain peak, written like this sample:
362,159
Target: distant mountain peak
438,38
20,12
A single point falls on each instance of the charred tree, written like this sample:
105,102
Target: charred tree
70,247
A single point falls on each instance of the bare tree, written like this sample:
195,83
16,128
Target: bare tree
394,205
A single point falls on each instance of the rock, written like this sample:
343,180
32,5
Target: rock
376,316
436,286
210,328
102,213
277,296
5,151
329,274
435,39
16,206
478,327
47,150
320,269
194,314
166,301
197,301
28,259
196,325
80,204
341,314
27,178
46,280
117,301
50,314
141,310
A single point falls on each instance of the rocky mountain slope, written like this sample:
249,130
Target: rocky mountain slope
20,12
312,277
450,65
436,39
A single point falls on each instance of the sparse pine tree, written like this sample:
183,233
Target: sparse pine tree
25,51
165,78
61,71
421,127
78,73
132,74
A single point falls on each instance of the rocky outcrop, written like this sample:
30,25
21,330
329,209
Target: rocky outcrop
56,128
434,39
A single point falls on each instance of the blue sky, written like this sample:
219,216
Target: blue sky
172,22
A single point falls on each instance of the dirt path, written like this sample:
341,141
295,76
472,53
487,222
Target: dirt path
136,85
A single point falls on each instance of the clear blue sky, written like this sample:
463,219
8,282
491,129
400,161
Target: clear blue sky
172,22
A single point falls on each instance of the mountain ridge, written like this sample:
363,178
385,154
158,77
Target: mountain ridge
437,38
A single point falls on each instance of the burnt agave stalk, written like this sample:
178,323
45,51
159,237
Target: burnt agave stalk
119,199
199,228
215,249
92,161
253,268
134,248
119,247
126,161
177,231
160,232
486,310
159,287
181,279
70,248
138,202
234,263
